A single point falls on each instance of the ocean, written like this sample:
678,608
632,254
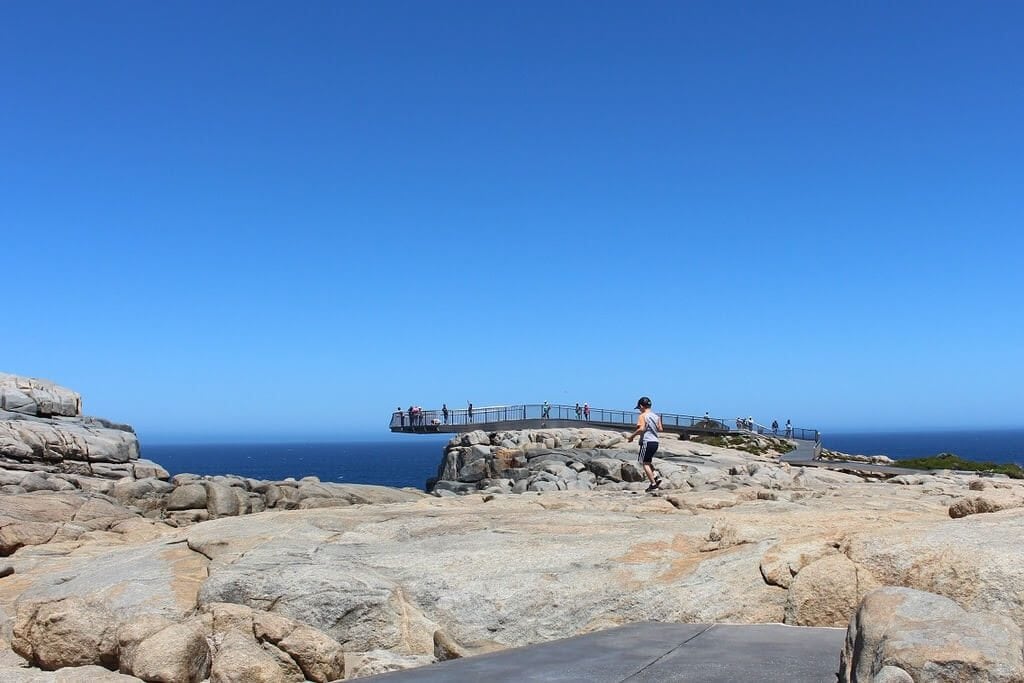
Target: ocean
398,463
412,460
998,445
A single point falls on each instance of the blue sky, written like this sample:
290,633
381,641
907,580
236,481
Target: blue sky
277,221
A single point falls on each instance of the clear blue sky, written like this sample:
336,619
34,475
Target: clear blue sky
280,220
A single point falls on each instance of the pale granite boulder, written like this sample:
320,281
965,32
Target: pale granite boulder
66,632
827,591
930,638
178,652
41,397
239,659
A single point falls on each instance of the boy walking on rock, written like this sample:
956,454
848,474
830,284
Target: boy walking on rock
647,427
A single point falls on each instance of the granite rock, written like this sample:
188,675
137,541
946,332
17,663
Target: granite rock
929,638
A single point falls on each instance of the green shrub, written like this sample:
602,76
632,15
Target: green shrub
952,461
711,440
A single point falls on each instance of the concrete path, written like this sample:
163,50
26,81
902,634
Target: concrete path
803,456
655,653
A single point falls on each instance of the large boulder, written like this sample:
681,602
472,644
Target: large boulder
239,659
280,648
324,586
784,560
187,497
41,397
826,592
929,638
178,652
41,428
37,518
66,632
109,589
974,560
606,468
221,500
989,501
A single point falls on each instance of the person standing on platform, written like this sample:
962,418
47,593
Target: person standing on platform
444,412
586,411
775,427
545,410
789,430
647,427
469,410
579,411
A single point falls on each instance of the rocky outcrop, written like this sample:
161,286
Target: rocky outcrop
586,459
42,430
899,634
231,579
130,508
40,518
988,499
309,592
828,454
39,397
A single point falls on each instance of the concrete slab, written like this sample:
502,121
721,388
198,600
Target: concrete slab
654,652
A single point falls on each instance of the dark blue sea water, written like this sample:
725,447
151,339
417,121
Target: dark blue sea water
411,461
389,463
1000,446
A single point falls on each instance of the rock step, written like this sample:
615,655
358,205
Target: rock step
708,653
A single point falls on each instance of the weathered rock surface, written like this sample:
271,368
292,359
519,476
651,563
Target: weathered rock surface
513,570
988,501
586,459
190,578
178,652
42,429
38,518
903,634
40,397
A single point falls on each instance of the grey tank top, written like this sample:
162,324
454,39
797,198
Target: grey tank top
650,428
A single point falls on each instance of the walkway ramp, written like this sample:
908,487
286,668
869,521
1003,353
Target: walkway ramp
556,416
654,653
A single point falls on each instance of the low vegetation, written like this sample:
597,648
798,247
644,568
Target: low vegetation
952,461
756,445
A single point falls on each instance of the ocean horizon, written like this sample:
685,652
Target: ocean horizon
410,462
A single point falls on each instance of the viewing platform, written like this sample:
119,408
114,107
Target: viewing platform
553,416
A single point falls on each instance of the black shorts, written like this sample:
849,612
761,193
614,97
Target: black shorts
647,451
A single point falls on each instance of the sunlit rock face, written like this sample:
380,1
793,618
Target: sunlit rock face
227,578
42,430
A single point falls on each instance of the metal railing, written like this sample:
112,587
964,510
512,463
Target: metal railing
791,432
540,411
438,420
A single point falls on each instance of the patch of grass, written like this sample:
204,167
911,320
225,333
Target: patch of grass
746,443
952,461
719,441
782,446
